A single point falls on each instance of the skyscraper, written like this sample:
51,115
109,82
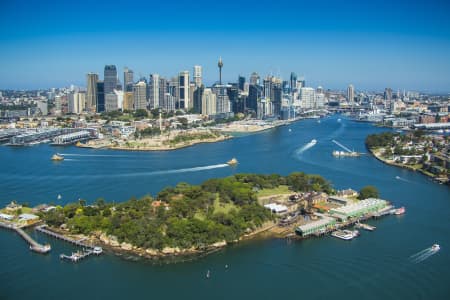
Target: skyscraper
293,82
241,83
110,78
100,96
307,96
209,104
153,91
128,80
198,76
198,96
183,90
254,78
76,102
163,89
91,94
140,95
387,98
351,94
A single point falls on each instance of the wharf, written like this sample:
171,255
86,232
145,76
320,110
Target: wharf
77,256
34,246
55,235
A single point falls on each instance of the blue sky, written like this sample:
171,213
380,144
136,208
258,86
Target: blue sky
403,45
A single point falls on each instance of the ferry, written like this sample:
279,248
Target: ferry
313,142
399,211
337,153
345,234
435,247
365,226
57,157
232,162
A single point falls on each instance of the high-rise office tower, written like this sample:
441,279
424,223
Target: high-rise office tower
153,96
307,96
254,78
387,98
293,82
128,101
241,83
91,93
350,94
183,90
208,103
163,89
273,92
111,102
140,95
110,78
77,102
198,76
100,96
128,80
198,94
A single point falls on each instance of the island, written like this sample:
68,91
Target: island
417,151
193,220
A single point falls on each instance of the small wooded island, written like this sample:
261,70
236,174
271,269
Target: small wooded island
185,219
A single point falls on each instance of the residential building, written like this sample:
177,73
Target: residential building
208,102
91,93
140,95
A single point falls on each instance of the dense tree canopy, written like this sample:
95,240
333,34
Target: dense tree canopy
185,215
368,192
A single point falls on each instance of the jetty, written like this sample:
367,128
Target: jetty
80,242
87,250
34,246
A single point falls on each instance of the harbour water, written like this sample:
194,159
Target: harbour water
376,265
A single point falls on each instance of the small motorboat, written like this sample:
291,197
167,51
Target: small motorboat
232,162
435,247
57,157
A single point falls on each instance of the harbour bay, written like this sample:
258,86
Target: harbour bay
374,266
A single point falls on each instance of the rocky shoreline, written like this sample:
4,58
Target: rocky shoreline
126,250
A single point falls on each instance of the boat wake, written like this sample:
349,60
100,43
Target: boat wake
165,172
423,255
302,149
94,155
402,179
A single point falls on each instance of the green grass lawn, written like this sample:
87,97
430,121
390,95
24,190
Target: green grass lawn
282,189
223,207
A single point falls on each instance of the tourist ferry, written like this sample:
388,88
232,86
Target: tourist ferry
57,157
232,162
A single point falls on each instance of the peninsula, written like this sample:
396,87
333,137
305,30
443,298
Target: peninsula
428,154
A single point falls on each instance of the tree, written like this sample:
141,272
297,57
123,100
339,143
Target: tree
368,191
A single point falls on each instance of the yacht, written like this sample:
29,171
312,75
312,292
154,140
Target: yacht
97,250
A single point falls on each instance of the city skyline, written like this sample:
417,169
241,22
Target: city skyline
372,46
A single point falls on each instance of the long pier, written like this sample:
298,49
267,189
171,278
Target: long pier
58,236
34,246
